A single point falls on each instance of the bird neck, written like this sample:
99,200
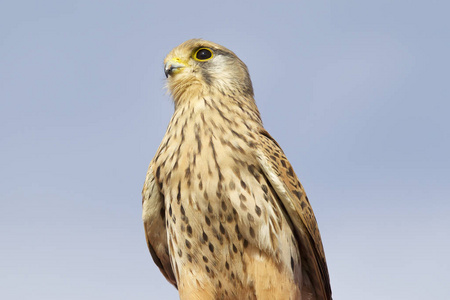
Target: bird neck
228,107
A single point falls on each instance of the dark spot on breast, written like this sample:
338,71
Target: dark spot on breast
189,230
170,210
252,232
245,243
244,186
292,263
234,248
189,257
251,169
179,194
205,236
250,217
199,141
208,221
207,269
236,228
229,218
180,253
264,188
185,219
182,210
221,228
210,210
217,235
211,247
205,259
242,197
227,266
258,210
224,206
188,244
239,235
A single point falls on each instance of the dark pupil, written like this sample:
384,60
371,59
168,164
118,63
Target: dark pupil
204,54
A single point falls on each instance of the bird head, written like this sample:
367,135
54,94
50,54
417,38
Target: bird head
198,67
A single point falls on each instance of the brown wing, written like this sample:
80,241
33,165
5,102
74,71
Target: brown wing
153,216
292,196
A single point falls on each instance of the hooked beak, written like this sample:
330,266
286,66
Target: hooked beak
173,66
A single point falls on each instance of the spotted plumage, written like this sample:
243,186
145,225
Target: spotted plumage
225,216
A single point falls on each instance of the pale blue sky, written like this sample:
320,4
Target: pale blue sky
356,92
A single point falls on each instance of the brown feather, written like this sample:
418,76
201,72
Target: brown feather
300,213
155,230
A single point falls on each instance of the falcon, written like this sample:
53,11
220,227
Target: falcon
225,216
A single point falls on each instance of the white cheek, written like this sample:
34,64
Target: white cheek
219,65
222,71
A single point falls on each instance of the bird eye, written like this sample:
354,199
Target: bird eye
203,54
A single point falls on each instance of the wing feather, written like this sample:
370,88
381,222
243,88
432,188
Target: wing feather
292,195
153,215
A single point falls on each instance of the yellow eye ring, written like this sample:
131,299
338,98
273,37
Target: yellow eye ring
203,54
